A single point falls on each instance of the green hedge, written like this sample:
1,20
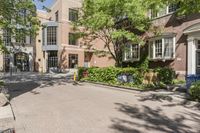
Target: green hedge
166,75
1,83
195,91
109,75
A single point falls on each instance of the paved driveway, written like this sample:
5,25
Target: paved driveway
51,105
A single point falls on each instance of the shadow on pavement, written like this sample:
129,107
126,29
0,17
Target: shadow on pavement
20,84
16,89
152,120
170,97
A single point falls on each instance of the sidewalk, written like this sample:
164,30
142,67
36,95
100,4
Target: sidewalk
6,118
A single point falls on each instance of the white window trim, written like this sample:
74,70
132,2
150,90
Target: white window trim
131,54
163,48
160,16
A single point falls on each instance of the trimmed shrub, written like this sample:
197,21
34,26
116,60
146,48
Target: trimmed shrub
141,77
165,75
1,83
81,70
109,74
195,91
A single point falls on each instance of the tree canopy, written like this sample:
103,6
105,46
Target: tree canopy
18,18
108,20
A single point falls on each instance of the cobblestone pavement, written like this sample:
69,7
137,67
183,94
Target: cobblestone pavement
52,105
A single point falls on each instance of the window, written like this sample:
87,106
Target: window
73,15
56,16
135,52
73,60
153,14
127,52
72,39
52,35
198,54
6,62
7,37
151,49
20,36
158,48
22,13
168,45
164,11
163,48
20,40
43,36
52,54
172,8
132,52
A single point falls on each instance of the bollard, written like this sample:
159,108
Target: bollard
75,83
74,76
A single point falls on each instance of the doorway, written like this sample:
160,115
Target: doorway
21,61
73,60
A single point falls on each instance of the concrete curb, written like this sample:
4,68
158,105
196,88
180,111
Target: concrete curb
176,97
6,117
115,86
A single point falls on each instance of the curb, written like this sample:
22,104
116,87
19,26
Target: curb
115,86
6,117
129,89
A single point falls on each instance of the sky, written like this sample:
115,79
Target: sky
47,3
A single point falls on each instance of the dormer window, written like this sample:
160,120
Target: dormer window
172,8
164,11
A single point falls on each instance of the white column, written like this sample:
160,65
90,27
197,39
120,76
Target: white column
191,56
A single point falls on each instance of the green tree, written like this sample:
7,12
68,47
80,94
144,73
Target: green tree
18,18
116,22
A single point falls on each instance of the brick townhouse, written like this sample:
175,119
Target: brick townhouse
177,46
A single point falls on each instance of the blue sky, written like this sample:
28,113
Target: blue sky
46,3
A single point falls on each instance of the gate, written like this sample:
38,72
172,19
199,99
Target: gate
52,62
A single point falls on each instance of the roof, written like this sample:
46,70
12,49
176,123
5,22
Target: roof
192,29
